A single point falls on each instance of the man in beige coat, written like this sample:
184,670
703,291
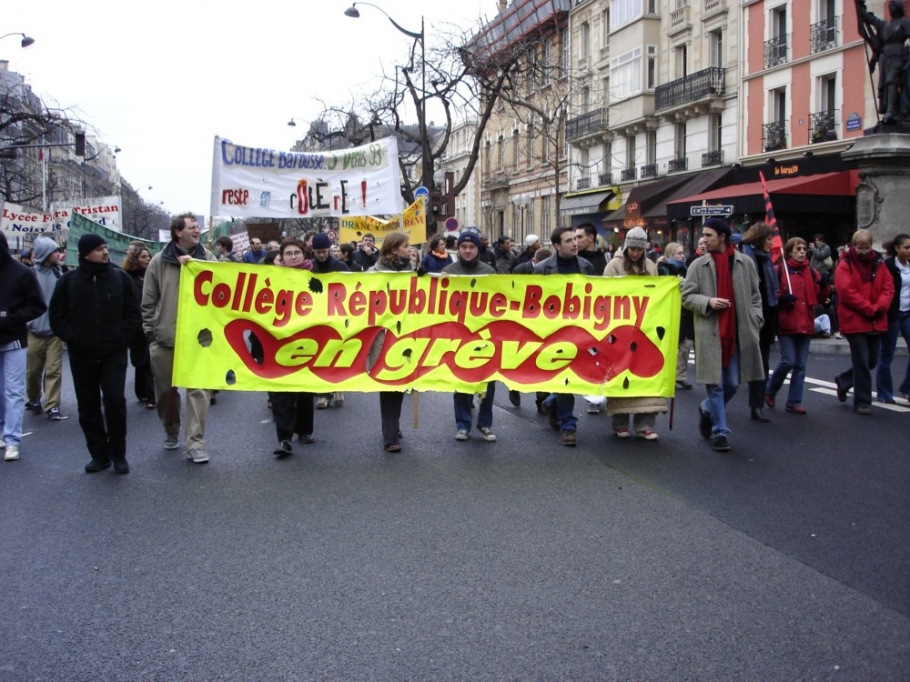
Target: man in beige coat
159,323
721,289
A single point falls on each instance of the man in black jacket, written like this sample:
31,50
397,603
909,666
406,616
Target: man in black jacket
324,262
20,302
95,311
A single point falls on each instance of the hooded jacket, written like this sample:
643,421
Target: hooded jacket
20,298
47,280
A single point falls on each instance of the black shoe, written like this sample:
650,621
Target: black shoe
682,383
121,467
515,398
758,414
305,438
33,406
704,423
555,424
542,410
721,444
97,465
284,449
841,391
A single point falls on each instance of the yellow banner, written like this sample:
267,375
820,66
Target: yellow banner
256,328
413,222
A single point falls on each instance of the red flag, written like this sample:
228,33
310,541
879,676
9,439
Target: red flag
777,244
41,153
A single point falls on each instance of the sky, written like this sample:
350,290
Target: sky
161,80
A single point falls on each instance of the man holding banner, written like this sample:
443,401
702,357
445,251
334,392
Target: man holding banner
159,323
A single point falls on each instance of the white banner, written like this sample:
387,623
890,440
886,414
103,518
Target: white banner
251,182
105,211
18,221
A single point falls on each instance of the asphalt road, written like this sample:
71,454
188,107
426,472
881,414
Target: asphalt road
787,559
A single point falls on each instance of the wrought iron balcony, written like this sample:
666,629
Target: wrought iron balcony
676,165
714,158
648,171
605,179
823,35
700,84
583,183
593,123
776,51
822,126
627,174
774,136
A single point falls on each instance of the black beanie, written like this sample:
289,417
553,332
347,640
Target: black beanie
88,243
719,225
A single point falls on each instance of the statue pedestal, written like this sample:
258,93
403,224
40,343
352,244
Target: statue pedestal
883,195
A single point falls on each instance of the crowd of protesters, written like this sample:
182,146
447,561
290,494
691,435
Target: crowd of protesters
738,298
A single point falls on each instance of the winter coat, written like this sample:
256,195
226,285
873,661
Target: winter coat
20,298
505,261
548,266
330,264
160,293
817,256
596,258
433,263
799,318
862,307
700,286
47,280
458,268
686,320
95,311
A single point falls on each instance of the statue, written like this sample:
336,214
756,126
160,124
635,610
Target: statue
887,39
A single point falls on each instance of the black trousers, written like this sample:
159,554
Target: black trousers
390,409
100,384
293,413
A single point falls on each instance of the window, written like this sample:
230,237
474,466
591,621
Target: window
630,151
605,27
779,105
585,48
545,215
651,147
681,57
547,60
625,75
827,92
530,152
626,11
651,75
531,80
487,156
715,128
779,22
501,154
515,145
680,141
564,56
585,99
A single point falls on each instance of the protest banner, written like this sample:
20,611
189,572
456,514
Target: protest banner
105,211
252,182
413,222
18,221
117,242
398,331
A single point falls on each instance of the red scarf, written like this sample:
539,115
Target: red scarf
864,263
803,270
726,318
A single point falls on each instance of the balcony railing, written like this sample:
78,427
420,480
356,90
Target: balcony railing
822,126
776,51
676,165
700,84
679,18
592,123
605,179
583,183
823,35
714,158
648,171
774,136
627,174
605,53
711,5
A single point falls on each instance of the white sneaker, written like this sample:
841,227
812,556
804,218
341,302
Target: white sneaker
12,453
322,403
488,435
461,435
198,455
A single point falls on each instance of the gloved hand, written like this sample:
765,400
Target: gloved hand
878,313
787,300
421,271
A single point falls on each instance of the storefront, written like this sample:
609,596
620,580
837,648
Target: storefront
589,206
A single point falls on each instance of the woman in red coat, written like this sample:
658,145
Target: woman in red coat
864,291
800,289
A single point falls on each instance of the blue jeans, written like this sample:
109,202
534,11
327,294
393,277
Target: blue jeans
899,326
564,405
794,354
12,394
720,394
463,409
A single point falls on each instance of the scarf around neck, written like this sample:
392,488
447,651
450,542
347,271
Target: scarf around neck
865,262
726,318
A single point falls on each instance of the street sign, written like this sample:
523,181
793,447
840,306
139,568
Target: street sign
854,122
422,192
331,234
705,211
451,224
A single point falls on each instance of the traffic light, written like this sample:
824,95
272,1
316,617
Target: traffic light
80,144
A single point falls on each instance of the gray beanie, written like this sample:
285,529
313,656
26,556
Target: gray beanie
636,238
42,248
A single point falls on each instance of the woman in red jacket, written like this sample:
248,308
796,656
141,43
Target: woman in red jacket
800,289
864,291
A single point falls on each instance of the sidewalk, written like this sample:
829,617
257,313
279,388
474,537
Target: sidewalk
835,346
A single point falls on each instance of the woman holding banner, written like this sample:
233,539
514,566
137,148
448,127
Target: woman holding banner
135,263
393,257
292,411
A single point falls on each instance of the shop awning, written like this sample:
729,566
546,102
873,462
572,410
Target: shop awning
703,181
788,195
585,202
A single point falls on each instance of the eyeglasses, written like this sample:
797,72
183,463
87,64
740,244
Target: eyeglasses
799,248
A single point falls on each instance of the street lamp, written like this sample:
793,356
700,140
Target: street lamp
426,171
26,41
293,122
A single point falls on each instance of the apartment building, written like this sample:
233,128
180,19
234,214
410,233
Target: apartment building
458,154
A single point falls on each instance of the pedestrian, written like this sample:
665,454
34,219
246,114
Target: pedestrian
486,253
346,256
532,243
701,248
821,260
865,289
722,290
587,247
20,303
27,257
898,264
392,258
756,244
504,257
135,264
44,358
673,264
256,253
160,293
634,415
95,312
801,288
324,262
468,264
564,261
224,249
366,255
292,411
437,258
